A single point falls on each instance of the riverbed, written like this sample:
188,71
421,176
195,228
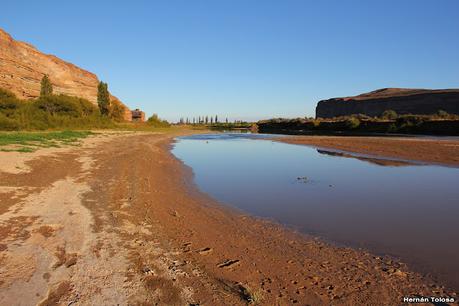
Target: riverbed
389,207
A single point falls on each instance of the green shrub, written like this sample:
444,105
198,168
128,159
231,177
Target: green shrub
9,105
49,112
4,93
7,124
361,116
155,121
117,111
315,123
389,114
352,123
442,114
65,105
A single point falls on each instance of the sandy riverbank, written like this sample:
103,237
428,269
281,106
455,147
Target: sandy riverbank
430,150
119,221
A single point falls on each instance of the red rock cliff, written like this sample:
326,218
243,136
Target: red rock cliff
401,100
22,66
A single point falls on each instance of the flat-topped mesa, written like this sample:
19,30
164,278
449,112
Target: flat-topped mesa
401,100
22,67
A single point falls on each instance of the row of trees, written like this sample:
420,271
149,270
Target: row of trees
392,115
201,120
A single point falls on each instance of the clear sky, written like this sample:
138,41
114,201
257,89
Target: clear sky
245,59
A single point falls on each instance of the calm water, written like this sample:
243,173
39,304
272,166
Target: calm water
407,211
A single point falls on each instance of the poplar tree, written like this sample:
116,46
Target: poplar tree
46,86
103,98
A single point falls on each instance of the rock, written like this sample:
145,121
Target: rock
303,179
401,100
400,273
22,67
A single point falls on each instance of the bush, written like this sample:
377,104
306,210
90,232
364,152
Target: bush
315,123
389,114
442,114
117,111
8,124
352,123
4,94
49,112
155,121
361,116
66,105
410,123
9,105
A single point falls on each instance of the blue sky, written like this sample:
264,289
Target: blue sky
245,59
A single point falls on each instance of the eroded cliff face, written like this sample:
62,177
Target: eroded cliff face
401,100
22,67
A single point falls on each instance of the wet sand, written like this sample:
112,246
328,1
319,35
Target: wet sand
119,220
430,150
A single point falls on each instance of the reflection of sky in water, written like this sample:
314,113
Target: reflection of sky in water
390,210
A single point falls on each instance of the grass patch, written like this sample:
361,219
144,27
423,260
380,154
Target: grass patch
31,141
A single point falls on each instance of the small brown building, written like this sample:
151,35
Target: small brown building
138,115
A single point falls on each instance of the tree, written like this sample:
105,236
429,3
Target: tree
103,98
211,120
46,87
226,119
216,119
207,119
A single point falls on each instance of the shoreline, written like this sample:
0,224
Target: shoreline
167,242
442,152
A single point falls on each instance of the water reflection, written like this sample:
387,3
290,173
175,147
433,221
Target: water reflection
371,160
410,212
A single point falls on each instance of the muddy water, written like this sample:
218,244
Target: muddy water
408,211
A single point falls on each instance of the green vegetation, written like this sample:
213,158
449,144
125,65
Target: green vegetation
352,123
442,114
389,114
440,123
211,122
117,111
46,87
155,121
103,98
49,112
30,141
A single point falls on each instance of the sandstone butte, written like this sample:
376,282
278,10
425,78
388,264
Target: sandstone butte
401,100
22,67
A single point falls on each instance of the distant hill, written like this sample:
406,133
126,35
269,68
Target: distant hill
401,100
22,67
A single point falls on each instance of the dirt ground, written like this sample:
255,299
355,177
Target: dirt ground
119,221
438,150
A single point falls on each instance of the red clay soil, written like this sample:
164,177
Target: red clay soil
128,226
429,150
